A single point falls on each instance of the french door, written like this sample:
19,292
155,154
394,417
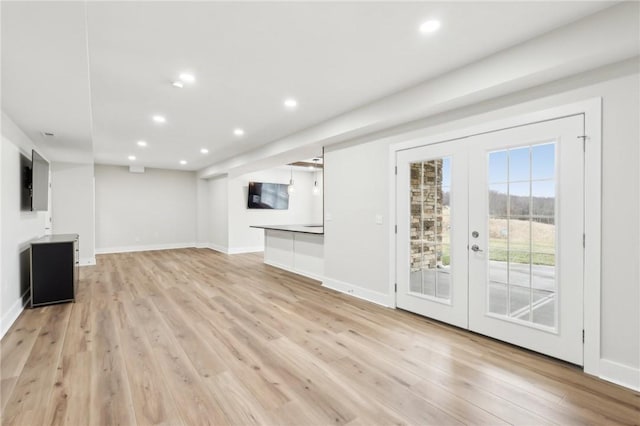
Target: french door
432,256
490,234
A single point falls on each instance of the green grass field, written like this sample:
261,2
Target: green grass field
528,242
517,241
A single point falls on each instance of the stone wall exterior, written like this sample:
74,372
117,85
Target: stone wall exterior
426,214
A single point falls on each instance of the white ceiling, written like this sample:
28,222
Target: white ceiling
247,58
45,75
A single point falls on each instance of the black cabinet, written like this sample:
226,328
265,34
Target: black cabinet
54,269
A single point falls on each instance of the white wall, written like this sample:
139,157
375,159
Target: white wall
72,205
218,219
17,227
243,238
144,211
355,194
224,222
2,321
203,213
317,201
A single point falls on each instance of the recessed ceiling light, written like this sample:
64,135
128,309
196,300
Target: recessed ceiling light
238,132
183,162
142,143
430,26
178,84
131,157
159,119
204,151
290,103
187,78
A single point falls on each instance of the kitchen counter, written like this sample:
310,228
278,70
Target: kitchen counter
295,248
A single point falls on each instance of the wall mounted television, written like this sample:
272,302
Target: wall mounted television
264,195
35,183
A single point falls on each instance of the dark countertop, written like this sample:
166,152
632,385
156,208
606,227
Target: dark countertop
304,229
55,238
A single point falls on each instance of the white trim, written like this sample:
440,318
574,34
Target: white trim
12,314
227,250
216,247
293,270
127,249
87,261
422,137
240,250
359,292
393,223
620,374
592,108
593,235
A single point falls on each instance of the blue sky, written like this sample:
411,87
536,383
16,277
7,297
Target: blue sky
519,165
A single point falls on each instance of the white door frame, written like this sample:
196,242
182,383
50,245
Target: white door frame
592,110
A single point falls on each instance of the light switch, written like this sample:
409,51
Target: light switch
379,219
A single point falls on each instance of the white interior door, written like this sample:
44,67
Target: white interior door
490,234
526,206
432,232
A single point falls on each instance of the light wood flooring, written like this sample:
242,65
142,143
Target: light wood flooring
195,337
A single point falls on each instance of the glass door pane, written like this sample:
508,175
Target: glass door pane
430,228
522,234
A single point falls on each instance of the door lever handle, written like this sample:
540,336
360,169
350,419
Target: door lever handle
475,248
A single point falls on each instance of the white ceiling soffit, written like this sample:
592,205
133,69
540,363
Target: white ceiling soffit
248,57
571,49
45,76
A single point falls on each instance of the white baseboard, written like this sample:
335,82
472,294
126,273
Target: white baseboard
620,374
227,250
221,249
87,261
216,247
359,292
295,271
239,250
12,315
127,249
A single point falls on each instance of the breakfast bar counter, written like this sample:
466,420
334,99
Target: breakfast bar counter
295,248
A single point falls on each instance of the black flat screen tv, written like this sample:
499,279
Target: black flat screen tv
264,195
25,183
39,182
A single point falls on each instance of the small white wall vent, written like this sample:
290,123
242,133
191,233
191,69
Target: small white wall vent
136,169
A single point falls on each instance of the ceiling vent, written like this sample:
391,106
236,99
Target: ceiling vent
48,135
136,169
